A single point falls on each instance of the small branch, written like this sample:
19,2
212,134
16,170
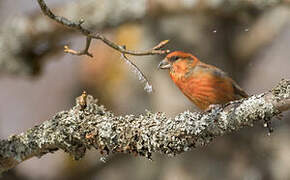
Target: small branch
141,77
131,52
161,45
19,41
78,129
62,20
78,26
79,53
90,35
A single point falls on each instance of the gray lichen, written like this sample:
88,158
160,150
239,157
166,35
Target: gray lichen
282,90
79,129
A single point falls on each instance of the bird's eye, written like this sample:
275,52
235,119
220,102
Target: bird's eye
174,58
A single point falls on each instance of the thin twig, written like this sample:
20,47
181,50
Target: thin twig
142,78
131,52
161,44
79,53
90,35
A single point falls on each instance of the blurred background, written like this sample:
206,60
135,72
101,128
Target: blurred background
249,39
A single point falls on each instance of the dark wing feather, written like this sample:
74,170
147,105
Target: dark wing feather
238,90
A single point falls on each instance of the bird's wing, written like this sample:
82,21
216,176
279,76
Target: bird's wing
212,69
219,73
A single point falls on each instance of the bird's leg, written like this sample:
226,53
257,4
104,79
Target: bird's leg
212,107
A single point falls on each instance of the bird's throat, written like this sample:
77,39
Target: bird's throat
179,71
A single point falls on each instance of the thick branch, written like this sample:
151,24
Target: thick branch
84,127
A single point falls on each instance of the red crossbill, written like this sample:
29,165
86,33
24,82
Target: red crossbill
202,83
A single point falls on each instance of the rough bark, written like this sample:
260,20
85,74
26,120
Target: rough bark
77,130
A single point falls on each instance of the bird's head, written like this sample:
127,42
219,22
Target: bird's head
177,58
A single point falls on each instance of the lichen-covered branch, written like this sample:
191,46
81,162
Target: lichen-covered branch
92,126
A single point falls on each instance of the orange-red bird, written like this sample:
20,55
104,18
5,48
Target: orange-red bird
202,83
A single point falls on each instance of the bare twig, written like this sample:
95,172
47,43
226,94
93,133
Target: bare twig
77,130
161,45
141,77
19,41
78,26
90,35
79,53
